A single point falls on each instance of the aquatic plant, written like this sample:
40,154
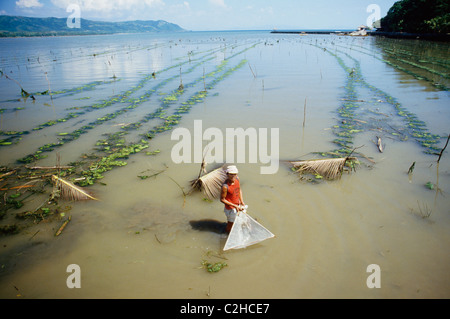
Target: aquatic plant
212,268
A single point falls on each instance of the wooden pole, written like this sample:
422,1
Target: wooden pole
304,112
440,154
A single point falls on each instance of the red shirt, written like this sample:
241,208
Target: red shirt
233,192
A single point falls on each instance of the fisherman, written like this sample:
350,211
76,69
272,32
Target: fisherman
231,196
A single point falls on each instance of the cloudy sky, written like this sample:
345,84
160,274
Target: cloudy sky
198,15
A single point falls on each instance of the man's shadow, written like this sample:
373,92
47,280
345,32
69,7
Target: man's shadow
209,225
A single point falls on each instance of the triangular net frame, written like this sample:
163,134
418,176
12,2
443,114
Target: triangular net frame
246,232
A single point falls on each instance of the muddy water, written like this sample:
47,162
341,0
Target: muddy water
145,239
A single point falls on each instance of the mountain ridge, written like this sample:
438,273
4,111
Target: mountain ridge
13,26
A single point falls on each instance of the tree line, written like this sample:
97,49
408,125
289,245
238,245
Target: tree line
418,16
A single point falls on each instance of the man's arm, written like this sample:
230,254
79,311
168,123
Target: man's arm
241,199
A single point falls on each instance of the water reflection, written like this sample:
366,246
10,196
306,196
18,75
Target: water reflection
156,60
424,60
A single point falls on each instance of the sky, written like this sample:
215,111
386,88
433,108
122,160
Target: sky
212,15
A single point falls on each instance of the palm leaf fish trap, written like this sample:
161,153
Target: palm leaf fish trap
328,168
211,183
69,191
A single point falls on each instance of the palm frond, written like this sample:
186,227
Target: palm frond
328,168
211,183
69,191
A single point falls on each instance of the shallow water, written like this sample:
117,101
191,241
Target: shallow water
138,241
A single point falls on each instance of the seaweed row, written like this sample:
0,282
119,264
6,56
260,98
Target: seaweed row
350,124
118,150
421,77
68,137
415,127
15,136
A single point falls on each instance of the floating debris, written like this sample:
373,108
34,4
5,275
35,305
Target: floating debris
211,183
330,169
59,231
69,191
379,145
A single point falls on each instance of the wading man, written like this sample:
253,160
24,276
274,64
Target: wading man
231,196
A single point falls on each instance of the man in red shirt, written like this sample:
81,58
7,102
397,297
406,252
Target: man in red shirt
231,196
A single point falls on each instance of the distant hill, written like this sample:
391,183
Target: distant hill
13,26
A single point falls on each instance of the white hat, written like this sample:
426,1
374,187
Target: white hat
232,169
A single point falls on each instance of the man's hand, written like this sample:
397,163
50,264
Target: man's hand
242,207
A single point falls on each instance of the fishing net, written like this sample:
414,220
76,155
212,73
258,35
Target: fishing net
245,232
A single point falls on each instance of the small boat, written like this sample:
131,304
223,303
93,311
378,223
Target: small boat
361,32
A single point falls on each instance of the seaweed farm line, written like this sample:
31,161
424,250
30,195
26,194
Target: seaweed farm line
98,112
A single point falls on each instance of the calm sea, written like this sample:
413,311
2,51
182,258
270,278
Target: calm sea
296,97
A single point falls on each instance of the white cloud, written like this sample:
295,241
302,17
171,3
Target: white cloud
180,7
219,3
108,5
29,4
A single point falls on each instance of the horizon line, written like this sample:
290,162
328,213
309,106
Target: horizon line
205,30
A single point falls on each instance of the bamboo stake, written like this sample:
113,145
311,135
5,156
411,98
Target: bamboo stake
181,87
50,167
304,113
49,89
182,190
204,83
7,174
34,234
16,187
251,70
442,151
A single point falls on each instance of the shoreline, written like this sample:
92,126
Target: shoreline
413,36
395,35
304,32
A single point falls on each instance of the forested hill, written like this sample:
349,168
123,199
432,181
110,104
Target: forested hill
27,26
418,16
